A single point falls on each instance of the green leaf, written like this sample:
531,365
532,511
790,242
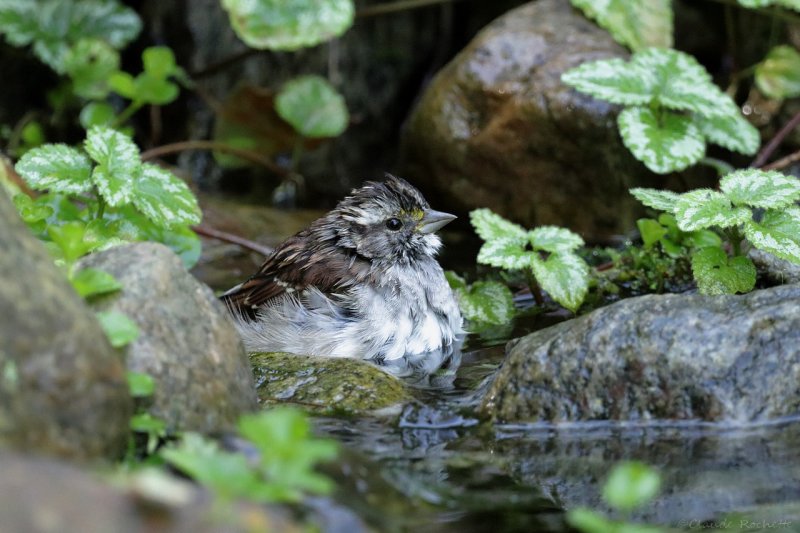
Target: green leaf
759,188
147,423
589,521
613,80
732,131
118,165
715,273
97,114
630,485
703,208
159,61
30,211
778,233
651,231
486,302
491,226
123,84
56,167
636,24
119,329
93,282
702,238
289,24
313,107
140,385
505,253
657,199
664,145
554,239
165,199
90,63
69,238
778,75
454,280
682,83
565,277
156,91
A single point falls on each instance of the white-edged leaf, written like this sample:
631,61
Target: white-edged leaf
656,198
554,239
778,75
778,233
682,83
490,226
56,167
118,164
732,131
703,208
667,145
716,273
164,198
759,188
486,302
504,253
636,24
565,277
614,80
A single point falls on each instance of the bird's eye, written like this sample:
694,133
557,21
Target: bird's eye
394,224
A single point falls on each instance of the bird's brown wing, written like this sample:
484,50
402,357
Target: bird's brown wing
295,266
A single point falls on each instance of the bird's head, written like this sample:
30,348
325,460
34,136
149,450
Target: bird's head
389,220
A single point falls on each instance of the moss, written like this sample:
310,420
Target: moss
325,384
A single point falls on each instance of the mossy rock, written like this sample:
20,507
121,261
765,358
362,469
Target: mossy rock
326,384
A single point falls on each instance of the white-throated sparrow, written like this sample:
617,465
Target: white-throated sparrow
362,282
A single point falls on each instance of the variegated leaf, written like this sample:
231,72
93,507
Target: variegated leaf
554,239
56,167
664,144
504,253
760,188
778,233
656,198
731,131
491,226
704,208
565,277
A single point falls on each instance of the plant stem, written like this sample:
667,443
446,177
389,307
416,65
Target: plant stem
224,236
776,141
297,153
722,167
536,290
182,146
101,207
400,5
127,113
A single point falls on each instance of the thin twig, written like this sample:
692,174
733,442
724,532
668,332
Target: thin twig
216,146
400,5
223,63
783,162
224,236
776,141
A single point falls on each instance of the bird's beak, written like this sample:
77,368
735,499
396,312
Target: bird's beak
433,221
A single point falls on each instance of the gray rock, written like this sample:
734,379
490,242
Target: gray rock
732,358
776,270
62,386
187,341
43,495
496,128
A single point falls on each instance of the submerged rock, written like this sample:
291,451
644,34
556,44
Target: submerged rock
327,384
497,128
187,341
62,386
726,358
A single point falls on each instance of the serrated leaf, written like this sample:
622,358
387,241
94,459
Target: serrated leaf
633,23
313,107
631,484
486,302
554,239
656,198
715,273
119,329
491,226
732,131
759,188
56,167
118,164
778,75
454,280
505,253
565,277
165,199
90,63
289,24
703,208
778,233
614,80
664,144
94,282
683,84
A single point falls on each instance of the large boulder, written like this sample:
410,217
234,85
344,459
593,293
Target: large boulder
497,128
62,386
187,341
722,358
